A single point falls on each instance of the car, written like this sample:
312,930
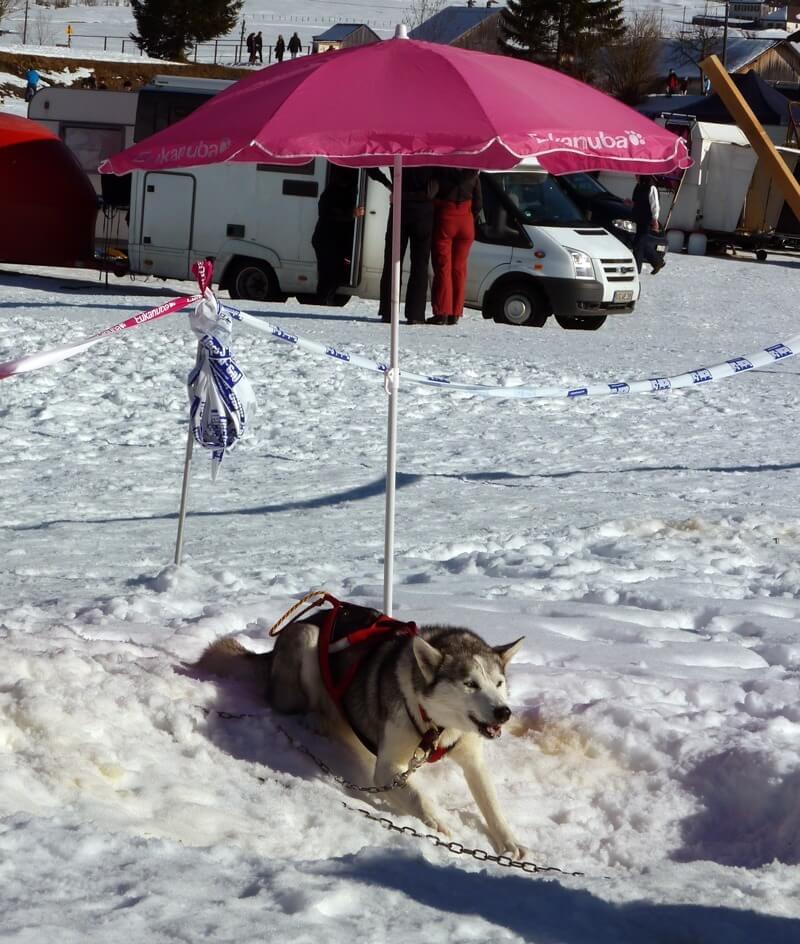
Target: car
601,205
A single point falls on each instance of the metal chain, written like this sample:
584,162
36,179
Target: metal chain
418,758
400,780
459,848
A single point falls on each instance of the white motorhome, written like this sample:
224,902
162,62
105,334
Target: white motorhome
534,255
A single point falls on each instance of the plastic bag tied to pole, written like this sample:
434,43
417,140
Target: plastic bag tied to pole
220,395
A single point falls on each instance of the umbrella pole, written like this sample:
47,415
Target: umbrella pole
187,465
392,385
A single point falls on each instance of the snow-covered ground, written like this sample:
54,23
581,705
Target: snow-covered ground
646,546
307,17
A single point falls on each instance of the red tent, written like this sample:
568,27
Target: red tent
48,203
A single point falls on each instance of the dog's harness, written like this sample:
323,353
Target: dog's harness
347,626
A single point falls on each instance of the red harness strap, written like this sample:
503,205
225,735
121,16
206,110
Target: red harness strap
331,642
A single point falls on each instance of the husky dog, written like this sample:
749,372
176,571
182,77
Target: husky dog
444,677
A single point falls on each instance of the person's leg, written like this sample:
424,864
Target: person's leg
463,239
639,247
385,305
441,252
419,233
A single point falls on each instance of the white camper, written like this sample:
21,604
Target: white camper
534,255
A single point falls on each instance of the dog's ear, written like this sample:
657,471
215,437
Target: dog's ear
508,651
428,658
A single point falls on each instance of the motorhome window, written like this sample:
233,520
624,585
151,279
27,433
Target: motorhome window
91,145
498,221
158,109
288,168
585,185
539,199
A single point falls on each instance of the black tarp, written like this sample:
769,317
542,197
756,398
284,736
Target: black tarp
769,106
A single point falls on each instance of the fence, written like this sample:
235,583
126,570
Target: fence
224,52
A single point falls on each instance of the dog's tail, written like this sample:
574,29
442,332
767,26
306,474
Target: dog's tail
229,659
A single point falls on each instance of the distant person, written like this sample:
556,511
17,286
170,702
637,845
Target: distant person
258,46
672,83
419,187
646,209
31,83
684,86
333,234
280,48
706,85
127,86
457,203
250,42
294,45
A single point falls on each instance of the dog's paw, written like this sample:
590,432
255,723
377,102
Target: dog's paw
437,824
508,846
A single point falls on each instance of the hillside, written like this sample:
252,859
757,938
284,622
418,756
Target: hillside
111,73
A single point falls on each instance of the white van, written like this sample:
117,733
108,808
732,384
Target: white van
534,255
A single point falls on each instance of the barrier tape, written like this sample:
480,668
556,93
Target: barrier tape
693,378
732,367
23,365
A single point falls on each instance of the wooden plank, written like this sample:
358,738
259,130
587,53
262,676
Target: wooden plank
743,115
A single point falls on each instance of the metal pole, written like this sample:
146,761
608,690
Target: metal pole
392,389
25,24
725,37
187,467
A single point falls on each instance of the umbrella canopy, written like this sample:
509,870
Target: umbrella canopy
429,103
402,102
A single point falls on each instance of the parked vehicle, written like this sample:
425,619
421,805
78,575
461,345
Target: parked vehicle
534,256
600,205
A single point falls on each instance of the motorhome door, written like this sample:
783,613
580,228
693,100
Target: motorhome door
167,217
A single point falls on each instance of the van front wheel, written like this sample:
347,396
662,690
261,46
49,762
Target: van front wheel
254,279
517,303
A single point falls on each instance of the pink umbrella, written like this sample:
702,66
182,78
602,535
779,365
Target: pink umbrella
403,102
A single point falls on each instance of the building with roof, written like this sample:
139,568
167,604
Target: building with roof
774,59
342,36
469,27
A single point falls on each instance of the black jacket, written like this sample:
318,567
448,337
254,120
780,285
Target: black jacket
457,184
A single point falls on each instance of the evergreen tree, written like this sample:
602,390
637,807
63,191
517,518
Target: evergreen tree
562,34
167,28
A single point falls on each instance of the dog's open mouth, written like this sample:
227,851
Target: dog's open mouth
487,730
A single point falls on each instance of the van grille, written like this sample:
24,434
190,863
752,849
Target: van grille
591,232
619,270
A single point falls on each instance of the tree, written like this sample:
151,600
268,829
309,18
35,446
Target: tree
562,34
7,7
168,28
418,11
628,67
697,42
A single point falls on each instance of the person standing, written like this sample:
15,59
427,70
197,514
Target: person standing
250,42
258,46
280,48
419,187
333,235
646,209
294,45
458,202
672,83
32,83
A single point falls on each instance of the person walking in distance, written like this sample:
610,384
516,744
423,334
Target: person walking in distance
258,45
458,202
294,45
250,42
280,48
31,83
419,187
646,209
333,235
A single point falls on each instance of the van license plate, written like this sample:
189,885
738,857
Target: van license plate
623,296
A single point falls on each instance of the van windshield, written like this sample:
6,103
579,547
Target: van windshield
540,200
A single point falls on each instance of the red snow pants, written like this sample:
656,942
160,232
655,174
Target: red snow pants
453,234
